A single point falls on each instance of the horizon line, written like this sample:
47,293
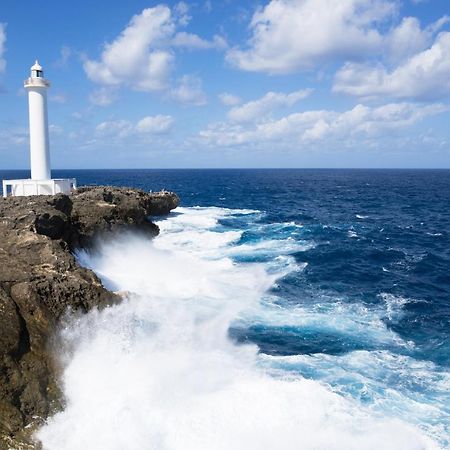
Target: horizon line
239,168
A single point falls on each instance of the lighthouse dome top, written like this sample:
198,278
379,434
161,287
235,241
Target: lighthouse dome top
36,70
36,66
36,79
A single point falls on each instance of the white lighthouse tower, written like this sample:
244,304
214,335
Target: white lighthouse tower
37,87
41,182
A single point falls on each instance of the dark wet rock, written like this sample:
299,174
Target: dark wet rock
40,281
120,209
53,226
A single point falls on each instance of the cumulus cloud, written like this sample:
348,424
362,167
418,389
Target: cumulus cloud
259,109
314,126
149,125
423,76
229,99
409,38
116,128
155,124
2,47
290,35
181,11
142,56
189,91
193,41
135,58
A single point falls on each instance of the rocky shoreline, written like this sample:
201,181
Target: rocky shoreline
40,280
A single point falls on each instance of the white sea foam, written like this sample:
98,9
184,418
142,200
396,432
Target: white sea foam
417,388
331,316
159,372
270,247
394,305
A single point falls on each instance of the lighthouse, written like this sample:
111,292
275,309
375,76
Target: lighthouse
37,86
41,182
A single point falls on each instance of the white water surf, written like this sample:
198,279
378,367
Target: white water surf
159,371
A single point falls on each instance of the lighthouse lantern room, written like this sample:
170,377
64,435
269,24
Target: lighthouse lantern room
41,181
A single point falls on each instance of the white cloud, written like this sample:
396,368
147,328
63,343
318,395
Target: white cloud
259,109
312,126
229,99
424,76
189,91
2,47
193,41
135,58
142,57
117,128
155,124
181,11
149,125
408,38
290,35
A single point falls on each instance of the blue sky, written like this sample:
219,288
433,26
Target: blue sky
281,83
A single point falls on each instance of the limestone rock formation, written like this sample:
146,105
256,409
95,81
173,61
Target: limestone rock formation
40,280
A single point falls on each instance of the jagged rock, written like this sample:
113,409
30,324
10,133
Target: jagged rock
40,280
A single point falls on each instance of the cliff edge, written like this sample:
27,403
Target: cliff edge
40,280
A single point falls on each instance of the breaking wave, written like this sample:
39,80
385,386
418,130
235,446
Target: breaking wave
164,369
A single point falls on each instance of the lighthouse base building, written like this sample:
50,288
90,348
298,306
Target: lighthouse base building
41,181
18,188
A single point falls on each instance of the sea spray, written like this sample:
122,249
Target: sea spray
159,371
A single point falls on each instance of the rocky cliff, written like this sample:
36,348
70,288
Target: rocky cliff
40,281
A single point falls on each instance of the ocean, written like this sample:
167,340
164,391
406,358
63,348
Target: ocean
278,309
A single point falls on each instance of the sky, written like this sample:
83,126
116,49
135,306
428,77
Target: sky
206,84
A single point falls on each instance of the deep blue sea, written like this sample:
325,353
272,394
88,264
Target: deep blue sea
353,298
